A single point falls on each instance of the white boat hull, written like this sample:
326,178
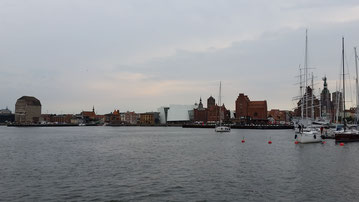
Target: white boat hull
223,129
309,137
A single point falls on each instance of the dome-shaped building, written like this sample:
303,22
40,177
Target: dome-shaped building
27,110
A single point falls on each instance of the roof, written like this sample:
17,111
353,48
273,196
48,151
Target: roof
88,113
253,103
30,100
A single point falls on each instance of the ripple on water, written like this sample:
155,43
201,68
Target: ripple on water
171,164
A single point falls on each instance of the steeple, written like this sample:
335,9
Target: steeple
93,108
200,105
325,82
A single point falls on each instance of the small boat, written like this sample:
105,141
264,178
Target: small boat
309,136
221,128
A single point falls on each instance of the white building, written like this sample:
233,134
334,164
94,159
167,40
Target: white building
176,113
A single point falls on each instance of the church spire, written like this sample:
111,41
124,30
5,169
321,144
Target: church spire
200,105
325,82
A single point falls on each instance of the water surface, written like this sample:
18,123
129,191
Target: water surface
172,164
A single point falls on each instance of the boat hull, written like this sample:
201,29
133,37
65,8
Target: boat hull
222,129
347,137
309,137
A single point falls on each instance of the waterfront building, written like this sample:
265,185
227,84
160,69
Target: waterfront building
211,102
113,117
5,111
276,116
53,118
180,114
27,110
6,116
210,114
200,114
325,101
248,111
89,116
149,118
163,114
308,105
131,118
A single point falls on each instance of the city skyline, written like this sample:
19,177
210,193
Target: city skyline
140,55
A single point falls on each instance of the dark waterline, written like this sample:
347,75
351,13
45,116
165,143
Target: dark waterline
172,164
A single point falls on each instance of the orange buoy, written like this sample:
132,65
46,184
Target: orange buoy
269,142
296,142
341,144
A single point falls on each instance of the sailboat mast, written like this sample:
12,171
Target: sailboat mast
219,103
357,87
343,84
301,93
306,74
312,98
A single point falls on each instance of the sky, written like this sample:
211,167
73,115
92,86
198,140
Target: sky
138,55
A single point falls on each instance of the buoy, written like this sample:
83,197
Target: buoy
324,142
296,142
269,142
243,141
341,144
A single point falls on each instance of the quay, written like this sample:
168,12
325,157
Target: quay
264,127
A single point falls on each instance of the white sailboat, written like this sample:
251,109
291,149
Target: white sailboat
221,128
306,132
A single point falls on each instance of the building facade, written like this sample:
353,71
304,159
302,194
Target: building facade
27,110
310,105
6,116
212,114
326,101
248,111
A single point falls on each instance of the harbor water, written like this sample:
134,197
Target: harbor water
172,164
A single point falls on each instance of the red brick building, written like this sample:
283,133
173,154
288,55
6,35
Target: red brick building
211,113
113,118
248,111
277,116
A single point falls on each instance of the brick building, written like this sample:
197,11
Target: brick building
53,118
307,105
211,114
89,116
113,117
276,116
248,111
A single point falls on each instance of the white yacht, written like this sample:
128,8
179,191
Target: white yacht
221,128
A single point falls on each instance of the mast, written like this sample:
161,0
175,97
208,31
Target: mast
301,93
312,98
219,104
306,73
343,84
357,87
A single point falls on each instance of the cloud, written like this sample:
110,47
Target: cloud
138,55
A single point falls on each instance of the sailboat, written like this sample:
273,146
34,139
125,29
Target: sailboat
346,135
306,132
221,128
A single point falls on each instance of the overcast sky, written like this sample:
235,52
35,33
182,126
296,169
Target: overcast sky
141,54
